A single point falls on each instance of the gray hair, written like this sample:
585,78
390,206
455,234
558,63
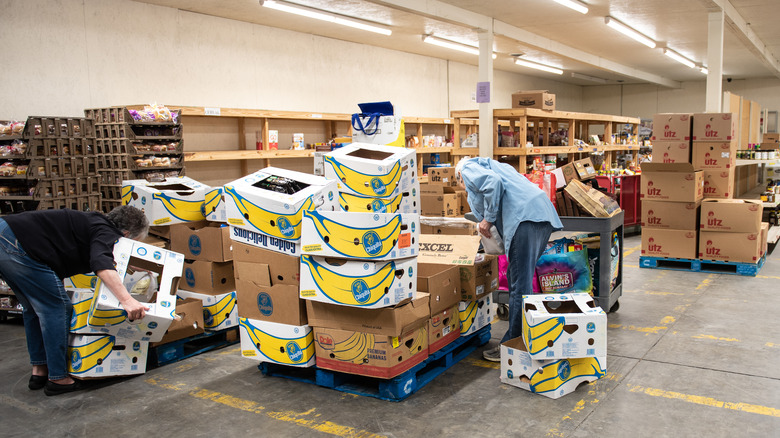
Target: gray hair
129,219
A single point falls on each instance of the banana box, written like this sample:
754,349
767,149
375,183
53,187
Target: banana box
475,315
443,328
188,322
562,326
358,283
206,241
105,356
108,315
405,202
271,202
172,201
389,321
219,311
365,236
81,281
369,354
264,341
373,171
550,378
214,205
82,301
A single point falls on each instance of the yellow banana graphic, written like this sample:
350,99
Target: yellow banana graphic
362,243
103,318
551,376
80,314
366,184
290,351
82,281
360,204
217,313
538,337
351,290
183,210
354,349
280,225
468,316
419,339
127,194
85,357
212,200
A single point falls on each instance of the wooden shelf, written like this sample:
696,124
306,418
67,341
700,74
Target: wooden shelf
245,155
440,150
755,194
258,114
749,162
544,150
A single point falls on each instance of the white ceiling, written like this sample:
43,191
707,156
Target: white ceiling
544,31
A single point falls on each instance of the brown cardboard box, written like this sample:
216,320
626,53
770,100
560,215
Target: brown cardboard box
540,99
565,174
163,232
208,277
443,328
671,127
444,176
584,169
477,278
465,228
658,242
436,189
282,268
441,282
207,241
594,202
670,215
717,155
190,322
671,151
731,215
764,238
716,127
730,247
389,321
440,205
676,182
156,241
770,137
464,202
718,183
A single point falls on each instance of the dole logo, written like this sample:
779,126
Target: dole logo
652,247
325,341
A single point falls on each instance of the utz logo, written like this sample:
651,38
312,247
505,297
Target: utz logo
75,360
668,133
285,227
709,189
264,304
325,341
710,249
667,159
136,346
591,327
652,191
141,251
372,244
157,255
652,246
712,221
556,281
564,370
189,277
378,206
208,318
652,219
378,186
194,245
294,351
709,132
360,291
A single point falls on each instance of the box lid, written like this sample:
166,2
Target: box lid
448,249
667,167
531,91
732,201
390,321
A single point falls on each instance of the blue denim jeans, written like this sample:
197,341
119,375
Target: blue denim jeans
528,244
47,308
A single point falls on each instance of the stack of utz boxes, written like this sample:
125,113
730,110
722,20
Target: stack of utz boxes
265,212
732,231
671,191
441,196
715,152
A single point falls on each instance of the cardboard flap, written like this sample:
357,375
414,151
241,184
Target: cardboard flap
258,273
667,167
448,250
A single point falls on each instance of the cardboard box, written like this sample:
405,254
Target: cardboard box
718,183
770,137
206,241
592,201
716,127
369,354
764,238
440,205
545,316
270,342
173,201
671,151
731,215
260,240
405,202
550,378
584,169
464,202
208,277
361,283
444,176
372,170
108,316
219,311
540,99
282,269
443,328
675,127
105,356
475,315
675,182
390,321
565,174
730,247
380,236
214,205
81,281
156,241
680,244
81,299
442,283
477,278
462,227
670,215
707,155
188,322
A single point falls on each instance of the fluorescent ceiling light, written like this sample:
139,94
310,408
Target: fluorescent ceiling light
573,4
679,58
325,16
588,78
629,32
441,42
704,70
538,66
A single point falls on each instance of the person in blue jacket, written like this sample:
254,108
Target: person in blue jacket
524,217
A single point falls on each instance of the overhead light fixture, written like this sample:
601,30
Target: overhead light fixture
573,4
679,58
588,78
324,16
441,42
704,70
542,67
629,32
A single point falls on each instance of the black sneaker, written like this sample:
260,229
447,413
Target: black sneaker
52,388
37,382
492,355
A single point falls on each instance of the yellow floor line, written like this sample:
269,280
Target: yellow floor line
482,363
645,330
768,276
715,338
628,251
707,401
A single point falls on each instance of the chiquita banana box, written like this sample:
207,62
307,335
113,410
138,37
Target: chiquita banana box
358,283
219,311
405,202
214,205
475,315
107,314
81,281
268,205
82,301
365,236
372,171
562,326
172,201
264,341
443,328
105,356
551,378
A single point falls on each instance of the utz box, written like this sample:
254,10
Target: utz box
443,176
447,205
206,241
441,282
214,205
390,321
108,315
371,170
405,202
478,272
208,277
443,328
551,378
271,202
716,127
718,183
365,236
172,201
546,315
475,315
670,215
671,128
677,182
730,247
540,99
707,155
219,311
283,344
670,243
359,283
671,151
105,356
188,322
731,215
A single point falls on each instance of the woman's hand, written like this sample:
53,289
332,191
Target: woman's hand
484,228
134,308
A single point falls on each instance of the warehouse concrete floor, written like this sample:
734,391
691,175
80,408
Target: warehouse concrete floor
690,354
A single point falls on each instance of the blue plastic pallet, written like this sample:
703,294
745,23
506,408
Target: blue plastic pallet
697,265
188,347
396,389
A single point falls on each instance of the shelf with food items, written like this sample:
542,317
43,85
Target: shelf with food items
153,114
146,162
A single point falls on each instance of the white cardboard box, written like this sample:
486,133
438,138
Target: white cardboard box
372,170
82,301
264,241
219,311
405,202
475,315
284,344
105,356
173,201
214,205
81,281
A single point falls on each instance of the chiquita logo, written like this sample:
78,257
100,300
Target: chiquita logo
360,291
590,327
152,325
378,207
194,245
75,360
189,277
157,255
378,186
372,244
556,281
264,304
294,351
284,226
564,370
208,318
711,250
652,246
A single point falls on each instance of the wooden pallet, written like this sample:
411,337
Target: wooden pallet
395,389
188,347
697,265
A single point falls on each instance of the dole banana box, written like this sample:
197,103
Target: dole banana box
390,321
283,344
551,378
172,201
674,182
188,322
220,311
205,241
81,281
670,215
371,170
676,127
365,236
713,155
82,301
108,315
474,315
563,326
671,243
105,356
671,151
360,283
731,215
214,205
719,127
730,247
269,204
478,272
405,202
443,328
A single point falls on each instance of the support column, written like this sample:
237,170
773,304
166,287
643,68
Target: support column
715,32
486,134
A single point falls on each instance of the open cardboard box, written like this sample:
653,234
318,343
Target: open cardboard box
189,322
92,357
477,277
208,277
372,170
441,282
172,201
205,241
443,328
390,321
219,311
